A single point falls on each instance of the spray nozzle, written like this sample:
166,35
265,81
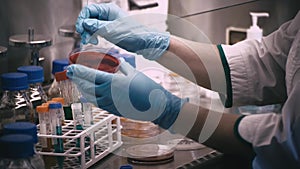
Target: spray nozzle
255,16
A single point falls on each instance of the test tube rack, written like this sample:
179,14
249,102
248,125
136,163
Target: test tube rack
104,135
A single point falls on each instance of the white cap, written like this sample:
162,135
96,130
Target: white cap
254,32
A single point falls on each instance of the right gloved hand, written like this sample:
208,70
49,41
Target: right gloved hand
108,21
130,94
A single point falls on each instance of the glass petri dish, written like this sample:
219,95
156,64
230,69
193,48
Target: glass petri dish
97,58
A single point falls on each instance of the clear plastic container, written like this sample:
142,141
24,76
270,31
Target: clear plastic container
36,94
17,152
15,104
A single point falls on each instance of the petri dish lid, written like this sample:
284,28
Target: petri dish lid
35,73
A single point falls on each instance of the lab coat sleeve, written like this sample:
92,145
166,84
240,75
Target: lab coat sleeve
257,70
260,71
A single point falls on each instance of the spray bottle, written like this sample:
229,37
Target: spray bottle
255,32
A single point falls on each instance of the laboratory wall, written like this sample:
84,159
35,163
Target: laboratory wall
213,17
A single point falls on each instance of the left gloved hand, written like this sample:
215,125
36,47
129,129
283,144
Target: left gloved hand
130,94
108,21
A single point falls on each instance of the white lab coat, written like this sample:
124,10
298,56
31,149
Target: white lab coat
268,73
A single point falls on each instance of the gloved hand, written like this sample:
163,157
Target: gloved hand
130,94
108,21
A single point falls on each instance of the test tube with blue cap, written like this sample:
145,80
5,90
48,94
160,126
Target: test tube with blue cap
56,113
55,110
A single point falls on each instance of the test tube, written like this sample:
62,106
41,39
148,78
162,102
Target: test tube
68,89
61,113
77,115
87,113
56,121
69,92
45,126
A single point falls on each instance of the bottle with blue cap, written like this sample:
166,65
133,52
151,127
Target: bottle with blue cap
36,93
15,104
25,128
17,151
58,65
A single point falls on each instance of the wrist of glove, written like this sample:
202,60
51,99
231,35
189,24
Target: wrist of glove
108,22
130,94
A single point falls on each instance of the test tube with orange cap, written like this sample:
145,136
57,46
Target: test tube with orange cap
45,126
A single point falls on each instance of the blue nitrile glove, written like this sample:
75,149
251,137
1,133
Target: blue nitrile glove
108,21
130,94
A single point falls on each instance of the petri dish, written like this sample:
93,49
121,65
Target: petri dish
97,58
150,152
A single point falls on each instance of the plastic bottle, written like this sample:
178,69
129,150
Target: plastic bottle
255,32
17,152
36,94
58,65
15,104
